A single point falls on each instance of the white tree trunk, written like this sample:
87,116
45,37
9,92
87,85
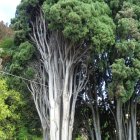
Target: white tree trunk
62,64
126,120
65,121
45,134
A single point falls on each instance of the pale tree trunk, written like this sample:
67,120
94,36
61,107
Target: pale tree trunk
96,123
39,93
66,107
45,134
65,75
119,115
133,120
126,120
130,131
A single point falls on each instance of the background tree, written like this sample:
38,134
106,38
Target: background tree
28,124
10,102
5,31
125,70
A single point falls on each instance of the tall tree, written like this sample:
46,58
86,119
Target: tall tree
61,33
125,70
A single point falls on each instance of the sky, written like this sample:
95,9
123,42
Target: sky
7,9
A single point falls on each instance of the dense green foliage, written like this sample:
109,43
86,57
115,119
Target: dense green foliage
10,102
11,119
81,20
17,107
126,68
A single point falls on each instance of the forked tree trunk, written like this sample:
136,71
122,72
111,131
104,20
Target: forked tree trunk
61,62
126,125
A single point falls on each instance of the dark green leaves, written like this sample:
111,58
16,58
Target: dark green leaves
78,20
21,56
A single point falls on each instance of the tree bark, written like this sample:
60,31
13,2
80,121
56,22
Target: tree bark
96,123
133,120
129,130
45,134
119,119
